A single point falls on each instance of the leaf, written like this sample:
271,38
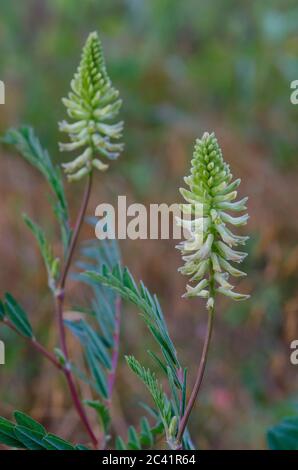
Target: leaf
123,283
103,413
183,399
96,372
45,249
2,311
152,384
133,439
24,420
97,346
81,447
119,444
29,434
176,402
146,438
96,331
284,436
17,316
129,281
7,434
32,440
137,440
57,442
26,142
89,338
158,361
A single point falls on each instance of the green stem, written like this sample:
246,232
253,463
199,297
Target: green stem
201,369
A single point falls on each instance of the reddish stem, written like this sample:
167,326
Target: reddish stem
199,379
59,310
39,347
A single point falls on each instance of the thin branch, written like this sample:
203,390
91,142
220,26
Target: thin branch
76,232
199,378
39,347
59,312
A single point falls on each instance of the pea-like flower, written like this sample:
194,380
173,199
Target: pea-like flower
92,105
209,251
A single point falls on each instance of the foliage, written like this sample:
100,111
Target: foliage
155,389
28,434
17,316
123,283
29,146
284,436
51,263
95,331
143,439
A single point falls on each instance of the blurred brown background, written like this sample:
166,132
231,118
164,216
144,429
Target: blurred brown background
181,68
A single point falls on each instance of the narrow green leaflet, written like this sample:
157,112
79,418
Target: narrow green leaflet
142,439
26,421
88,337
51,263
102,412
120,444
29,434
57,443
133,439
2,310
96,372
149,379
183,400
31,439
284,436
17,316
176,402
95,354
7,434
26,142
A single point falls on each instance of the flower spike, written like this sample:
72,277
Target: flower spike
92,105
208,263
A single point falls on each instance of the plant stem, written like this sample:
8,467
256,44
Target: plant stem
39,347
199,378
76,232
59,311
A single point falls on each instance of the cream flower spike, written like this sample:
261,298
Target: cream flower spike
208,262
92,104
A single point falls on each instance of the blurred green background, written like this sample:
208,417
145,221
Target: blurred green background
181,68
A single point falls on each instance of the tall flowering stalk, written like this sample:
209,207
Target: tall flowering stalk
92,104
209,251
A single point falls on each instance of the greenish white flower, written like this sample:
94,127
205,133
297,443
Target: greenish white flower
211,246
92,106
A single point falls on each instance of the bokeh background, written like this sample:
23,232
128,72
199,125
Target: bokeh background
181,68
